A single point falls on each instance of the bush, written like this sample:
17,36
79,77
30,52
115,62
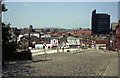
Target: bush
24,55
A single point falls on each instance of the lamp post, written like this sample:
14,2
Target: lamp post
63,47
29,42
44,44
76,47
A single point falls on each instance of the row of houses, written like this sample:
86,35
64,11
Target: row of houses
60,38
53,38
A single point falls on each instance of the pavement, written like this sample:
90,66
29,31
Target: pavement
81,63
112,69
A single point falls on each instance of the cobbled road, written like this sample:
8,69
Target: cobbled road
83,63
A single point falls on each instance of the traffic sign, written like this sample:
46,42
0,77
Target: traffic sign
44,43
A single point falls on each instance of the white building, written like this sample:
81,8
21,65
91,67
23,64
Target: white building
73,41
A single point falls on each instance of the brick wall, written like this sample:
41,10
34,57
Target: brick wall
118,36
82,32
100,41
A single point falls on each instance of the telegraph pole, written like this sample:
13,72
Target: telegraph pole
63,47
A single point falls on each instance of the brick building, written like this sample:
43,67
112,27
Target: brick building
98,41
113,35
82,32
118,36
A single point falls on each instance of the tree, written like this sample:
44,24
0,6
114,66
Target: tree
9,48
4,8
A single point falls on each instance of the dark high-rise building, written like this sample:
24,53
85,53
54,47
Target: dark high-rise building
100,23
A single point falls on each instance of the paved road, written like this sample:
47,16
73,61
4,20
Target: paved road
83,63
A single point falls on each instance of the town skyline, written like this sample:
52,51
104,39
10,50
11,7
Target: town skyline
67,15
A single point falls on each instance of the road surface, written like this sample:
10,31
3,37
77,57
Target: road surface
83,63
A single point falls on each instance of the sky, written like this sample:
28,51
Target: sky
61,0
67,15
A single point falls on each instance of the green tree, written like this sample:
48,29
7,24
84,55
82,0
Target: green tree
4,8
9,48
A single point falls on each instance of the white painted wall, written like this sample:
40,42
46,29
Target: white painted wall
39,46
73,41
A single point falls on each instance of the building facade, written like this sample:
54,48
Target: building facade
100,23
73,41
113,34
118,36
82,32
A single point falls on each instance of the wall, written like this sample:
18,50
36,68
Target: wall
100,42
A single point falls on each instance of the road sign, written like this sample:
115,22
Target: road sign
44,43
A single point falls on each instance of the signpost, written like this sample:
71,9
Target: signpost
44,45
63,47
117,47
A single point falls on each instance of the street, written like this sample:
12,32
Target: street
89,62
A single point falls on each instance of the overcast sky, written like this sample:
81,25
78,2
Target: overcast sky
56,14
